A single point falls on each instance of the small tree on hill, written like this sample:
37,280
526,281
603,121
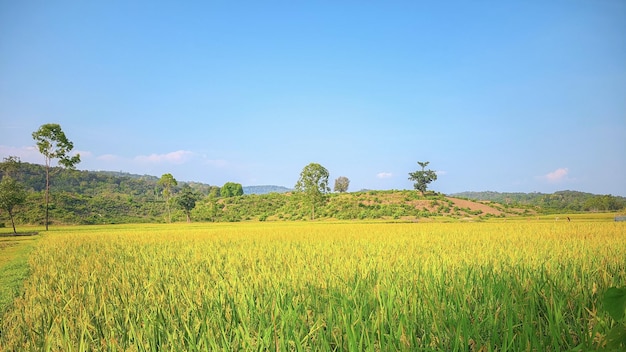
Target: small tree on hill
168,182
53,144
12,193
313,183
187,200
231,189
422,177
341,184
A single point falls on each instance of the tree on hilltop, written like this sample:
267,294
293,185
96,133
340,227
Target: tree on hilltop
422,177
341,184
231,189
313,183
168,182
53,144
187,199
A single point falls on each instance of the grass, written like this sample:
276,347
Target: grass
14,251
491,286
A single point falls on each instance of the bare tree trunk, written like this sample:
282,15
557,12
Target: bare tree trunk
12,222
188,217
47,191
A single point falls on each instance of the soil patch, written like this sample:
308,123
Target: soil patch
462,203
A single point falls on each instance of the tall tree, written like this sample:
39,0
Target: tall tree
12,193
187,200
231,189
422,177
53,144
168,182
341,184
313,183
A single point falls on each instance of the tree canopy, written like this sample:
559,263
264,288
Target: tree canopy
186,200
422,177
53,144
231,189
341,184
12,193
313,183
168,182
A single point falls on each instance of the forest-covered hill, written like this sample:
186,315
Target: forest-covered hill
96,197
554,202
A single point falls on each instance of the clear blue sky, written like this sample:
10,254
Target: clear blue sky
509,96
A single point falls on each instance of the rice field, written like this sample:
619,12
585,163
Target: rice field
518,286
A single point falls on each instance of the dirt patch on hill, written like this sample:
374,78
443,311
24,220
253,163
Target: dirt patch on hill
486,209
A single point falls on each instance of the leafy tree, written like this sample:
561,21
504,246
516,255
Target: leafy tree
422,177
10,165
214,191
12,193
231,189
187,200
313,183
53,144
168,182
341,184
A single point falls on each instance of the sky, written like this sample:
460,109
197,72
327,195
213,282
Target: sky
506,96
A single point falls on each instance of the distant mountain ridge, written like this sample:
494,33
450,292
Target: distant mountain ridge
265,189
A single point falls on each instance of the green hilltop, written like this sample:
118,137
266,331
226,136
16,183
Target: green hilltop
102,197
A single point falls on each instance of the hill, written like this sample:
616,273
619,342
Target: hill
555,202
96,197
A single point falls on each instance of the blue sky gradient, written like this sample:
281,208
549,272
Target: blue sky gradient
525,96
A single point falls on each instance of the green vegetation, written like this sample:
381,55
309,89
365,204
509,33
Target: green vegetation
53,144
558,202
423,177
231,189
168,182
186,200
313,185
90,197
12,194
14,253
614,303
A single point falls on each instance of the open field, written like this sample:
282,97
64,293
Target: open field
517,286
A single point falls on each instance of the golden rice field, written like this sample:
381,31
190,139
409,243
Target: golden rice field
517,286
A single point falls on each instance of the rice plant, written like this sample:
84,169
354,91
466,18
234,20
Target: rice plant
319,286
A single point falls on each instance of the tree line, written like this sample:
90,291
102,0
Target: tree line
108,197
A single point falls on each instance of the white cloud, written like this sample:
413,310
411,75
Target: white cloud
177,157
557,175
441,172
382,175
28,154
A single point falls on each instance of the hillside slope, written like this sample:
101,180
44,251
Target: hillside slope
88,197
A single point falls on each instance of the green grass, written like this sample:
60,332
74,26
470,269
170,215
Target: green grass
14,252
